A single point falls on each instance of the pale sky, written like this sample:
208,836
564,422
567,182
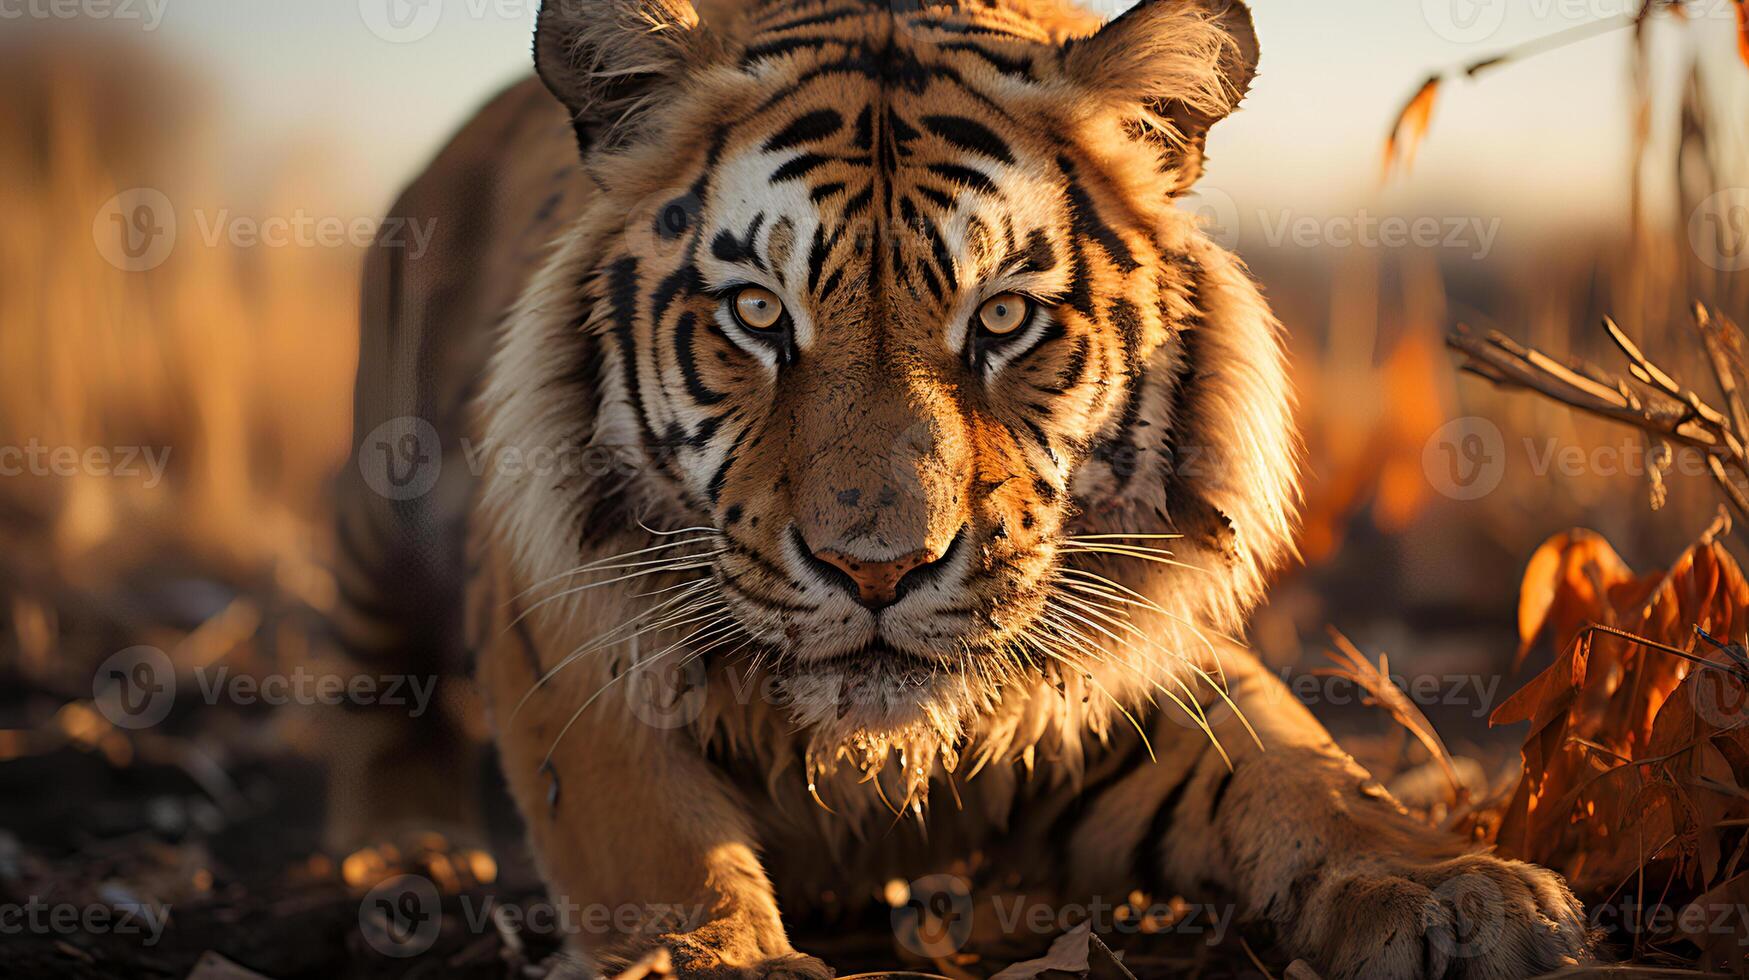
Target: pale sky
1539,143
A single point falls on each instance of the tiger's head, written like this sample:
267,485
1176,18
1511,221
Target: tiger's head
891,299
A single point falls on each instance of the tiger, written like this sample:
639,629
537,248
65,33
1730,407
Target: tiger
839,459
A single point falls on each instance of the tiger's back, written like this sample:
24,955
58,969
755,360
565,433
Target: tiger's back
495,198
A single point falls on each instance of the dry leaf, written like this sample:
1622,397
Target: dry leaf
1743,30
1563,583
1639,748
1411,125
1068,954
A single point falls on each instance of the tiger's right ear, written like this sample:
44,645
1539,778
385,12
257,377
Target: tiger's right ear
608,60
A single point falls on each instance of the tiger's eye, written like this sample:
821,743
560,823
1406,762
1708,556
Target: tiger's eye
758,309
1004,314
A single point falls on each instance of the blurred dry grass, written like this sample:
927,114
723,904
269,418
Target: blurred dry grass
238,361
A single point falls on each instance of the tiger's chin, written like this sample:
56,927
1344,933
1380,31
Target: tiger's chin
866,706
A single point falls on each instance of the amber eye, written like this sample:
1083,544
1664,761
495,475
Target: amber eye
1004,314
758,309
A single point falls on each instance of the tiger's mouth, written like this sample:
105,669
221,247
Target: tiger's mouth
873,689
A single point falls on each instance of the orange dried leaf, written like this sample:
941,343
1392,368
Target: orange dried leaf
1623,733
1411,125
1565,586
1743,30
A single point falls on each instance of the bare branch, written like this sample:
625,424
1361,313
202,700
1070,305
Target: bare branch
1653,401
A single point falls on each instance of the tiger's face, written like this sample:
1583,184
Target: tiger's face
897,305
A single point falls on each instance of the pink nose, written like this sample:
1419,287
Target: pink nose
877,582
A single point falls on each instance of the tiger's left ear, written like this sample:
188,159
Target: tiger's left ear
609,61
1183,65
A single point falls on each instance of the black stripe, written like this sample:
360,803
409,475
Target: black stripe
800,167
1087,222
942,200
817,259
975,179
1220,793
814,126
783,46
1121,765
1150,864
969,135
622,298
1016,67
683,355
1040,256
728,248
943,259
715,487
812,20
832,282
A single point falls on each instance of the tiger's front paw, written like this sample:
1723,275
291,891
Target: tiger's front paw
1476,917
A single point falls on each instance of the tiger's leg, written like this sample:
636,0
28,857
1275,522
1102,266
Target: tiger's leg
633,829
1303,840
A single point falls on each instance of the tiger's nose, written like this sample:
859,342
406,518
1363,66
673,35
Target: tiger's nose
879,584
